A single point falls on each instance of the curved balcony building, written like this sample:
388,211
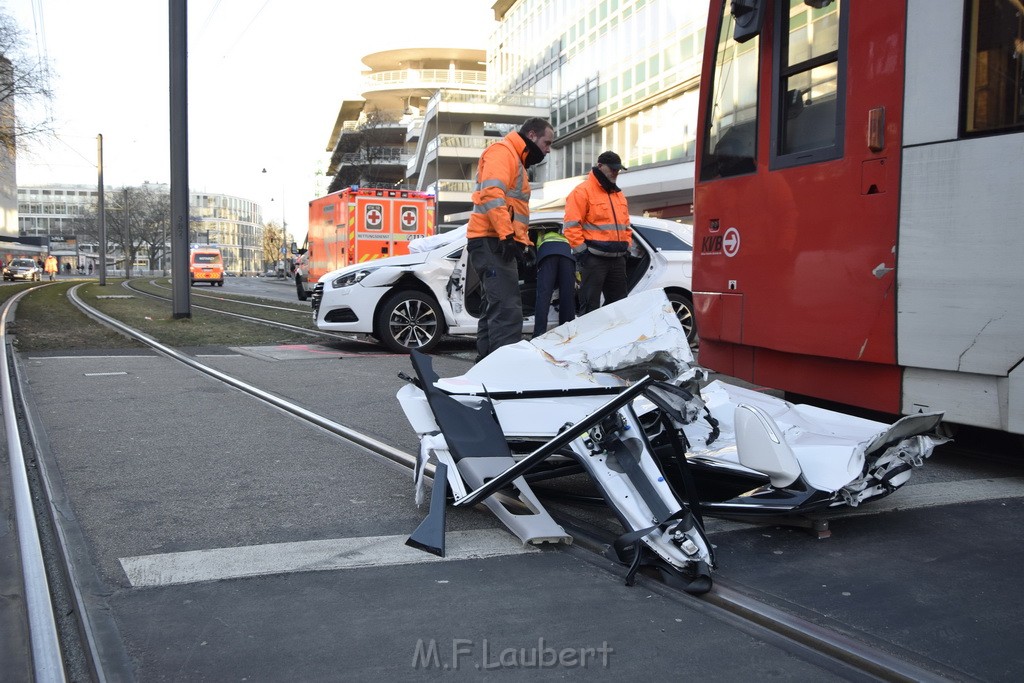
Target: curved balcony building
425,118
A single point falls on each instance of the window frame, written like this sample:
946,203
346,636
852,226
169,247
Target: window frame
780,52
966,61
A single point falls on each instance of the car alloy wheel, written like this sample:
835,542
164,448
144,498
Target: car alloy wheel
410,320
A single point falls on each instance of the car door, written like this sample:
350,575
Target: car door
466,295
463,293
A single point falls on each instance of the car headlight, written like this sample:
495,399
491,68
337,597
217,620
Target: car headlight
353,277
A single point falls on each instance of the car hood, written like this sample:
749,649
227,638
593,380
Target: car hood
404,261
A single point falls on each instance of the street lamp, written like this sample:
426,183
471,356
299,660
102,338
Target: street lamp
284,231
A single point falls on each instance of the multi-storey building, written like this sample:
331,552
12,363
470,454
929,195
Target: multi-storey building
609,74
622,75
427,117
53,214
234,224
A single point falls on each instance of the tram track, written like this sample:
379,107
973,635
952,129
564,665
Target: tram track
727,601
127,284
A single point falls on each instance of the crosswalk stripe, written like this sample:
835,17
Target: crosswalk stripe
338,553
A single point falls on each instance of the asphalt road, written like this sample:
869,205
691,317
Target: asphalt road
223,539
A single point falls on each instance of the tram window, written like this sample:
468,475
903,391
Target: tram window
994,67
730,135
808,84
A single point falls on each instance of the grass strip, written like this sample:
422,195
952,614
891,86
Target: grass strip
46,320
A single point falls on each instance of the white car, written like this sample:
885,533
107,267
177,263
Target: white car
23,269
412,301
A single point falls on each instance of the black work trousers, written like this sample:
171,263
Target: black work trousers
602,275
551,271
501,321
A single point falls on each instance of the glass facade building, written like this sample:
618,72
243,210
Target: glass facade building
622,75
234,224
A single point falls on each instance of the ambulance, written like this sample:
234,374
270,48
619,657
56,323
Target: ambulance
205,264
357,224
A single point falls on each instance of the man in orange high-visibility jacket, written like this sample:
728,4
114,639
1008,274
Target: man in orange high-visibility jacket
597,227
51,267
498,230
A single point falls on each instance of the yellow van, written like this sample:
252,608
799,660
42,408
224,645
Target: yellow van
206,265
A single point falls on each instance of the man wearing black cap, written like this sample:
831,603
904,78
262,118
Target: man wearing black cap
597,227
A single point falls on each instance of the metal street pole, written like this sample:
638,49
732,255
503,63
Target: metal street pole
284,237
284,230
102,214
127,233
178,59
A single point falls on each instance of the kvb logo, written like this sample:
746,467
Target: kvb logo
727,243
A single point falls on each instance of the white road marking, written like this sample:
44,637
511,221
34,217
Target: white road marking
103,374
913,497
147,356
339,553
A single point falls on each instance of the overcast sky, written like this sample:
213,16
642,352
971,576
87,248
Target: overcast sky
266,79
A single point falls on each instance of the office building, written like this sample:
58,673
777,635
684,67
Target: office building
622,75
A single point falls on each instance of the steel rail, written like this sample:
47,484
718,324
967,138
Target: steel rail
371,444
249,318
128,285
47,660
815,638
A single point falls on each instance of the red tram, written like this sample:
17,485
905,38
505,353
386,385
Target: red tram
859,203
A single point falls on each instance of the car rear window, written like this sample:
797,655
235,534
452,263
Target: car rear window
206,258
662,239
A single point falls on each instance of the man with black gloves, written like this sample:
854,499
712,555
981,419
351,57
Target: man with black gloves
498,230
597,227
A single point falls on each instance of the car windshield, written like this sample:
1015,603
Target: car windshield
662,239
23,263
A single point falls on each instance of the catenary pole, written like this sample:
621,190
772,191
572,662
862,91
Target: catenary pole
178,59
102,211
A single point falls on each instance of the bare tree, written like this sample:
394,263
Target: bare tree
272,241
137,220
23,80
359,156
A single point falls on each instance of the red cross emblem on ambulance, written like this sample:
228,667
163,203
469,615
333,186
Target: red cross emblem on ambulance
410,218
374,215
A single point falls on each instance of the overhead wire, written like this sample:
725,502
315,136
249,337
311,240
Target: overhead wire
42,53
246,29
209,18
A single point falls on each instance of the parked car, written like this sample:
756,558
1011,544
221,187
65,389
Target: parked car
411,301
23,269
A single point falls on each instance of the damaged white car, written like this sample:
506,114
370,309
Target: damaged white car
412,301
616,394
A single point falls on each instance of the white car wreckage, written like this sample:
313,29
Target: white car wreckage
616,394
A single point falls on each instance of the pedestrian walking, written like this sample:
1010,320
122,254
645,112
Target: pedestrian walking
597,227
556,266
51,267
498,232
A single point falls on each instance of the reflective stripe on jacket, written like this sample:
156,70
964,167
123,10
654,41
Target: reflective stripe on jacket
552,243
501,199
597,218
